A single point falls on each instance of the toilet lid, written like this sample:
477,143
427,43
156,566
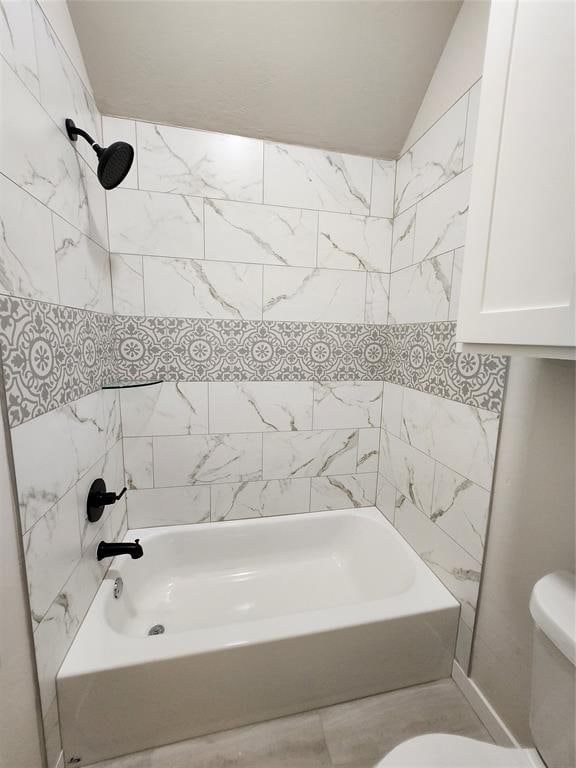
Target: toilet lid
440,750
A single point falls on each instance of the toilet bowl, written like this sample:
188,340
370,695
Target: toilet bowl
552,705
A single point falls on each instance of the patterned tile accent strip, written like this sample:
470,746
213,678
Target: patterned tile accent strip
54,354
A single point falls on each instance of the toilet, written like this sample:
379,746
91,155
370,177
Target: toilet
552,706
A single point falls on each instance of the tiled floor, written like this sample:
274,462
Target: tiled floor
353,735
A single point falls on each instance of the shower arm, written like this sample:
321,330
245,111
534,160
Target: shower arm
73,133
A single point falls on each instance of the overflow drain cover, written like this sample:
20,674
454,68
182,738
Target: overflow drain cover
157,629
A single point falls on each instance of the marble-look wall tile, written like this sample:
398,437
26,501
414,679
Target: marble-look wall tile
377,296
314,295
52,550
421,293
441,218
17,41
52,734
83,269
459,572
368,450
199,163
260,234
138,462
345,404
27,263
463,650
313,178
342,492
127,272
386,498
347,241
472,123
170,408
434,159
460,436
383,177
392,408
260,406
119,129
168,506
403,239
456,283
237,501
189,288
307,454
195,459
408,470
460,508
156,224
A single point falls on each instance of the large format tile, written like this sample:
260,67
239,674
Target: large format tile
168,506
383,177
119,129
156,224
170,408
392,408
266,498
456,283
343,492
403,239
313,178
460,436
314,295
377,296
368,450
472,123
17,41
408,470
346,241
307,454
26,252
421,293
260,234
344,404
260,406
190,288
138,462
127,272
199,163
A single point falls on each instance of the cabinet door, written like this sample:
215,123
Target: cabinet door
518,286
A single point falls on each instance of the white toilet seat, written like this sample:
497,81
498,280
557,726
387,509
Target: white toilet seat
441,750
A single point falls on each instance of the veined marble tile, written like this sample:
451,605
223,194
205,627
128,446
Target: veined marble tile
196,459
392,408
43,161
266,498
459,572
199,163
383,176
441,223
408,470
344,404
342,492
314,295
386,498
307,454
260,234
27,263
472,123
52,734
368,450
434,159
170,408
83,269
460,436
127,273
456,283
403,239
119,129
377,296
138,462
17,41
460,507
421,293
169,506
313,178
51,549
156,224
188,288
260,406
62,92
347,241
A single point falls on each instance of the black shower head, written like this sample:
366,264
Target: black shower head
114,161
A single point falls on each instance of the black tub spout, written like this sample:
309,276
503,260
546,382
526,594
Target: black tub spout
133,549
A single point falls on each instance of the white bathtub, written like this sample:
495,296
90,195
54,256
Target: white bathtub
263,618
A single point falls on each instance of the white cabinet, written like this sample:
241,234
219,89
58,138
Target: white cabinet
518,285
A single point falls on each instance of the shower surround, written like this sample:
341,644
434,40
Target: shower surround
299,305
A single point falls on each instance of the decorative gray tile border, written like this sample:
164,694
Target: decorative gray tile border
53,355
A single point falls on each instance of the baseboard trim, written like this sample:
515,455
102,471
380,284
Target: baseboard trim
485,711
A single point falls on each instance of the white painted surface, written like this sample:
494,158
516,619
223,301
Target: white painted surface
312,590
553,608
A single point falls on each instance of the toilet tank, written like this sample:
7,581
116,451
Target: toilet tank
552,710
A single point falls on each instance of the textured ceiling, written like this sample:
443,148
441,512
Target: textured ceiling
346,75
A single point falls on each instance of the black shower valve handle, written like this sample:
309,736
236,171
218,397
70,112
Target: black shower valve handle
109,497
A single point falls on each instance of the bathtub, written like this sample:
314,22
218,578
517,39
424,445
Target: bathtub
262,618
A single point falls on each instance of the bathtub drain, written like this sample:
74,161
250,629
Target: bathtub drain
157,629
